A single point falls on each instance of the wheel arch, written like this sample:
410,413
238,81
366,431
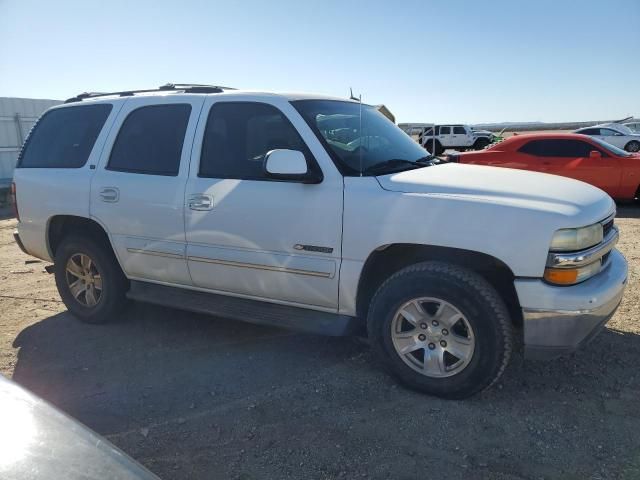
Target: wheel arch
388,259
430,140
59,226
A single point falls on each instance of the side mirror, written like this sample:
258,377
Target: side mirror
595,154
290,165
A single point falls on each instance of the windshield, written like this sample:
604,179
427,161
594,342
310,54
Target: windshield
372,146
611,148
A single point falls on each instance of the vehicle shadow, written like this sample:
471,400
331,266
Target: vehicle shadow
190,395
628,210
6,212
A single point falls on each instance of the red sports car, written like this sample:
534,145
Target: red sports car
571,155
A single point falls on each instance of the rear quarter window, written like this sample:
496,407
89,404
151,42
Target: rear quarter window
64,137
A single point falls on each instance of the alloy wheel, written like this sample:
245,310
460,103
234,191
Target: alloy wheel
433,337
84,280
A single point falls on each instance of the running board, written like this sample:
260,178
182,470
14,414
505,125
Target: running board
252,311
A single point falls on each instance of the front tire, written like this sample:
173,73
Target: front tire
481,144
89,279
441,329
633,146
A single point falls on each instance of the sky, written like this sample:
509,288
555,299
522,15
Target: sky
462,61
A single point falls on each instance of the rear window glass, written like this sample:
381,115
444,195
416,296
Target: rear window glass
150,140
64,137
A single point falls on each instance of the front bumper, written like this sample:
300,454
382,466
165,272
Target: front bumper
559,320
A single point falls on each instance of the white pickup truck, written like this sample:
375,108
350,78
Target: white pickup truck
317,214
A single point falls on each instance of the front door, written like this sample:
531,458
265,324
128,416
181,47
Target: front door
137,192
611,136
571,158
460,137
252,236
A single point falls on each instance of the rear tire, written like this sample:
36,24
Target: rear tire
89,279
459,339
434,151
633,146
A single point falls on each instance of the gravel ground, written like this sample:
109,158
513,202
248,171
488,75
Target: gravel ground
191,396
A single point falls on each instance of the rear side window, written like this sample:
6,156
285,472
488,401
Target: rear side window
445,130
558,148
239,135
64,137
590,131
150,140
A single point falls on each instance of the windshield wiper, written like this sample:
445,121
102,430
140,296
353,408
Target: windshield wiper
395,165
428,160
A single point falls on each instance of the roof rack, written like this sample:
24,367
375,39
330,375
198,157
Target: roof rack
169,87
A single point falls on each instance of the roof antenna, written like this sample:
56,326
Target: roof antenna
352,96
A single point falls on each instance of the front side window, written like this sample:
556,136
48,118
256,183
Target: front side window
64,137
359,138
238,136
459,131
150,140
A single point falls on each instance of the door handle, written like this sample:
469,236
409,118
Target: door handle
200,201
110,194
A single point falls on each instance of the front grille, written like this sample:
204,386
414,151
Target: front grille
606,227
605,258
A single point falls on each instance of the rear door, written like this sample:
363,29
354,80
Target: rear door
137,192
248,234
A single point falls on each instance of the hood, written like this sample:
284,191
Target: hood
519,188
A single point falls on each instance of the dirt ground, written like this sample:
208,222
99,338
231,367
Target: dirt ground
191,396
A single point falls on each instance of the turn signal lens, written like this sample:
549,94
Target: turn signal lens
571,276
561,276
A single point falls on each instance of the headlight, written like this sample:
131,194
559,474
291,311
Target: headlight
573,239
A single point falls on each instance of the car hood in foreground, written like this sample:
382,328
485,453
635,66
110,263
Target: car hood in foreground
39,442
518,188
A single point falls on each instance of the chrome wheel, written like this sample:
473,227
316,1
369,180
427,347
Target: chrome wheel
84,280
432,337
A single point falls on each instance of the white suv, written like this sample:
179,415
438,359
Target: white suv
317,214
454,137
